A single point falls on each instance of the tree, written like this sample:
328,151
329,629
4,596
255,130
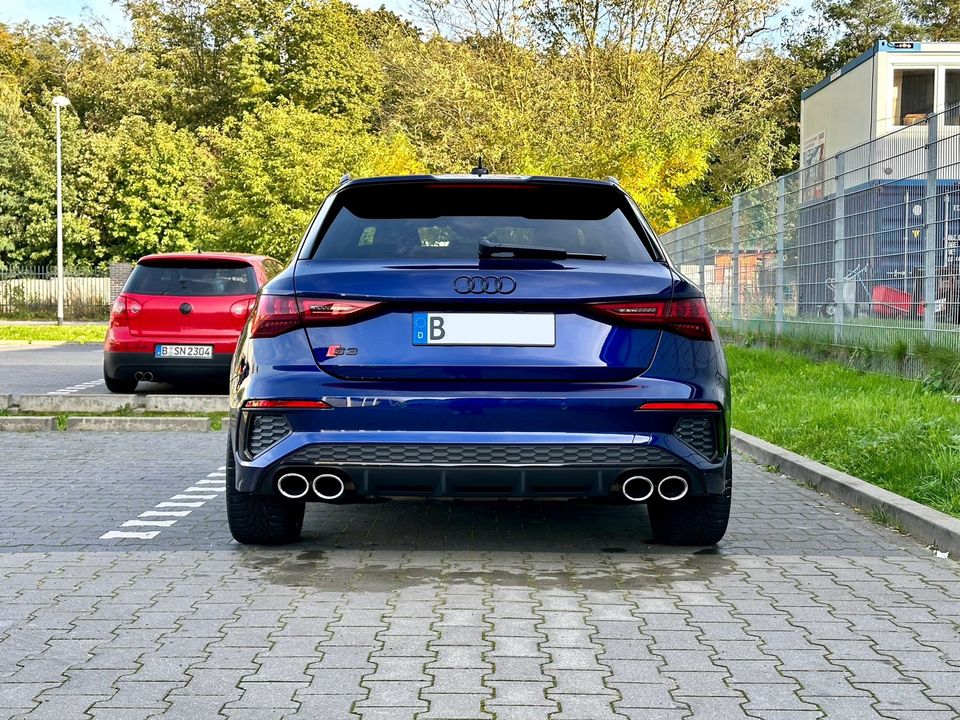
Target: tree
277,163
225,57
28,183
146,190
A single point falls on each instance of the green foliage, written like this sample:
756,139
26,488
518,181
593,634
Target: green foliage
147,186
221,124
279,160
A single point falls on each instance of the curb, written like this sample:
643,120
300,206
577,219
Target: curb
112,402
137,424
14,423
188,403
16,344
930,526
76,403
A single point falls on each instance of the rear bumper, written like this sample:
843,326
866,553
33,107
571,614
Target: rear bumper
124,365
398,464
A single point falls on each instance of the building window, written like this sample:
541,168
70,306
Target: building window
951,97
912,96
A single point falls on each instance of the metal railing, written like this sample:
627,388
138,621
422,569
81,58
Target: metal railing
860,250
30,293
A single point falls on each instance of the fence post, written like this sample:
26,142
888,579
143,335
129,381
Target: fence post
839,250
778,289
735,263
930,233
702,242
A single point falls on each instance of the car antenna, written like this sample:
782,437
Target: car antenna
480,170
345,178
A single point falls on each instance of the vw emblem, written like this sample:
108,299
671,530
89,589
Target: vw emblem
480,284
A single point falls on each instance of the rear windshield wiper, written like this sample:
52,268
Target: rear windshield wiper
492,250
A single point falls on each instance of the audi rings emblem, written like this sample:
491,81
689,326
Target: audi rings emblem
484,284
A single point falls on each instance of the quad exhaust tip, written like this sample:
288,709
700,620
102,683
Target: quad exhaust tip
637,488
673,488
293,486
328,486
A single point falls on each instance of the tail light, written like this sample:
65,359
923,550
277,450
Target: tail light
275,314
241,308
123,309
287,404
687,316
681,406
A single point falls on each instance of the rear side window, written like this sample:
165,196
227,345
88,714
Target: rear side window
433,221
272,267
195,279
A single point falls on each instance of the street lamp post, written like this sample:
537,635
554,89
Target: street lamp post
59,102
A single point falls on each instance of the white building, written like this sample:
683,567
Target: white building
892,85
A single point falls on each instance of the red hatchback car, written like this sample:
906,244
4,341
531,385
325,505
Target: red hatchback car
179,316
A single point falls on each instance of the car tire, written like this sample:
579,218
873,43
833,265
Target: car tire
694,520
260,519
118,385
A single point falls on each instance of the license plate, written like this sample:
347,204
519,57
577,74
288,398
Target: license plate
195,352
511,329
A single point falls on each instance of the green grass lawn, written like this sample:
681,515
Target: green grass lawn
53,333
885,430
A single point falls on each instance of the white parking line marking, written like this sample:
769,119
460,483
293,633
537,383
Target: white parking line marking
113,534
192,497
76,388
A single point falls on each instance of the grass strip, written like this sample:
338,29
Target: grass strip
53,333
888,431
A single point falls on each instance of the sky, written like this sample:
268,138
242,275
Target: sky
39,11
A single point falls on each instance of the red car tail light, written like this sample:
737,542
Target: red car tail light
123,309
287,404
242,308
275,315
681,406
687,316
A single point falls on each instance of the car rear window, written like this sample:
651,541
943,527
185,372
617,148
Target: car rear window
436,221
180,277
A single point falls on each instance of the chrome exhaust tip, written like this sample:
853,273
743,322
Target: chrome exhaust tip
293,486
673,488
148,376
637,488
328,486
138,376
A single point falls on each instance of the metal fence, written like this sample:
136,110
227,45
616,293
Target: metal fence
30,293
859,250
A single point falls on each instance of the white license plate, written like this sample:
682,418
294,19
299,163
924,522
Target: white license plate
195,352
512,329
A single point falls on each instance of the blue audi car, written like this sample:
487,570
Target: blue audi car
479,336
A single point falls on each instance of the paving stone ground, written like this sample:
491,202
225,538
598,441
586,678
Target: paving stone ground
451,610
